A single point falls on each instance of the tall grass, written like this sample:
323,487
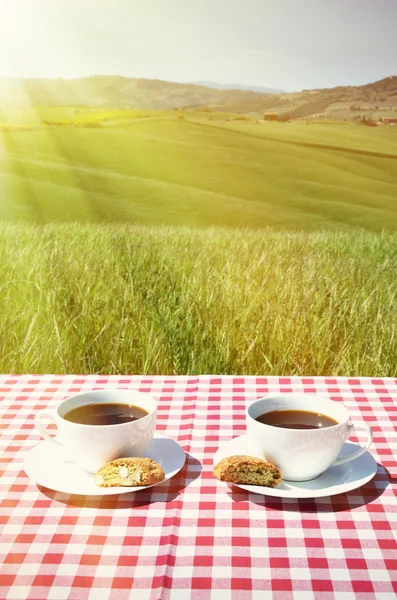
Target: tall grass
125,299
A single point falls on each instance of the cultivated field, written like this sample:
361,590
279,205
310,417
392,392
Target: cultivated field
196,169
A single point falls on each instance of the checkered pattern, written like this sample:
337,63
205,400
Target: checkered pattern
193,538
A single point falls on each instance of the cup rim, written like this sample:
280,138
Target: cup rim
110,390
297,395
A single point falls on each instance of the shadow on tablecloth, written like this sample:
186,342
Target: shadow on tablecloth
366,494
164,492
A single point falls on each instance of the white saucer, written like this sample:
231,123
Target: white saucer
48,465
334,480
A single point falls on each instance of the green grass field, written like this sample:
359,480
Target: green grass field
130,299
166,242
153,168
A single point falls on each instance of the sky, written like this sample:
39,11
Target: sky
287,44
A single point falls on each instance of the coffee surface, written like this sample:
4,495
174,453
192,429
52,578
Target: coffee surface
296,419
105,413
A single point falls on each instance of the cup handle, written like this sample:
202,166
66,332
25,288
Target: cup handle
40,428
345,459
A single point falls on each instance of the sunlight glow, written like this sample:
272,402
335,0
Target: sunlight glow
17,20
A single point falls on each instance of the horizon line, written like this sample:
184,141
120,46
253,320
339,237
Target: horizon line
196,83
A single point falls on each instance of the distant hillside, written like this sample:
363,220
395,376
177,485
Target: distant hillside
374,99
379,98
111,92
238,86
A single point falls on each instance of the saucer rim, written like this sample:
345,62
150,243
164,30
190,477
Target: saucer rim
294,492
107,491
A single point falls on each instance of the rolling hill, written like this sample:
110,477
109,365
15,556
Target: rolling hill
374,99
111,91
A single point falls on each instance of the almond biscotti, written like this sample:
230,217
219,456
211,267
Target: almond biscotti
129,472
247,470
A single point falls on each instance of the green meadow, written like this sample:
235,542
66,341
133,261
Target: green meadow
198,170
196,242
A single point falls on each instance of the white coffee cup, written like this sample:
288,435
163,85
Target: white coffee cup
92,446
303,454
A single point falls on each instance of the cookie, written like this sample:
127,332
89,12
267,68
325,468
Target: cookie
247,470
129,472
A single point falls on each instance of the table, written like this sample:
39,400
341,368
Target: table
194,538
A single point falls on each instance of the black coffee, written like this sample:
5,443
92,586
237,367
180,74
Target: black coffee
296,419
105,413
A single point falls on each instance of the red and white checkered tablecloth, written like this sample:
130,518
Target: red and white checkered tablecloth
194,538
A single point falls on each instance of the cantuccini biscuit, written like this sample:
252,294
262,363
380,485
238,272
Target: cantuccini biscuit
247,470
129,472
